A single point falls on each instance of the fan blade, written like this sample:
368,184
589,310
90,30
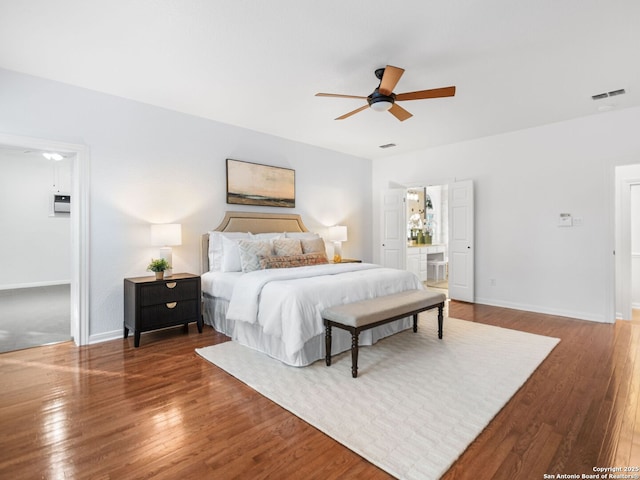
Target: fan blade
424,94
347,115
399,112
390,79
337,95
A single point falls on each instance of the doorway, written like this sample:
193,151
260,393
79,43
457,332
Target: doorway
395,235
428,235
79,226
35,293
627,181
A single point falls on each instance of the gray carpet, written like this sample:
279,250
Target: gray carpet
36,316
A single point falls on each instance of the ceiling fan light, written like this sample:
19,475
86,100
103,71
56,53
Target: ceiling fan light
381,106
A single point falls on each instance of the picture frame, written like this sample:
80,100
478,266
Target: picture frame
256,184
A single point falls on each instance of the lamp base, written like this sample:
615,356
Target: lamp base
337,252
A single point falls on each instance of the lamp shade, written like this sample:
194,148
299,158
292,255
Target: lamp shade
338,233
165,235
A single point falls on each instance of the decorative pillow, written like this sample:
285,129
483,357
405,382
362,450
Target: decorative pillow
301,235
293,260
287,246
215,247
251,251
315,245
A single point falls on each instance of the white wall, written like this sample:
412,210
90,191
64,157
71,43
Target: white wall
151,165
523,181
35,244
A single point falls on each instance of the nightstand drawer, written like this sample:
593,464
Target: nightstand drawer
170,313
168,291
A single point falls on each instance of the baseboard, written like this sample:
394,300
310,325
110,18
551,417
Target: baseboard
15,286
106,336
547,311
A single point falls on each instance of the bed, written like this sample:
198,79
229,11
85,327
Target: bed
266,279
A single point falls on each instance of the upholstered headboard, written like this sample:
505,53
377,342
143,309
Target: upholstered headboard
254,222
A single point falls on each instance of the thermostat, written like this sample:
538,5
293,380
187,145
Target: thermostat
565,220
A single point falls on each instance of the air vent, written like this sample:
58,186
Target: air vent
388,145
612,93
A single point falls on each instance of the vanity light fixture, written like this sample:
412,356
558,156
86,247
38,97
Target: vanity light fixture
413,196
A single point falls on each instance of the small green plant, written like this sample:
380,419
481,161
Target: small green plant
158,265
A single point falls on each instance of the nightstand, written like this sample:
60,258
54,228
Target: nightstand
150,304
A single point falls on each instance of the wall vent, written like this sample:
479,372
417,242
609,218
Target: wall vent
612,93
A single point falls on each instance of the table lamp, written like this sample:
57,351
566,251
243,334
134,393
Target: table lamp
165,236
337,235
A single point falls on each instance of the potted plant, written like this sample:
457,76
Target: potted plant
158,266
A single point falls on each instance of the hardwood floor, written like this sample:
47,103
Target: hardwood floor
109,411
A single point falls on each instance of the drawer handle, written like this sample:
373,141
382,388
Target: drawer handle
170,284
172,304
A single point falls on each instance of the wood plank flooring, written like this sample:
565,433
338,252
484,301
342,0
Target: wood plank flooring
109,411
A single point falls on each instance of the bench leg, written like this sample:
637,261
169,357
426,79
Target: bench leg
354,353
415,323
440,319
327,344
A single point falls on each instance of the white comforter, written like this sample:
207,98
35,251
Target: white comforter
287,302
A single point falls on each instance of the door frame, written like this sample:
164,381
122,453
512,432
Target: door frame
624,250
79,225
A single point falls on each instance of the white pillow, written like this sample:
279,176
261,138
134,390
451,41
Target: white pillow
215,247
230,255
267,236
251,252
301,235
287,246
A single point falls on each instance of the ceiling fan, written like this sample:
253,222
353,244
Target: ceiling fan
383,99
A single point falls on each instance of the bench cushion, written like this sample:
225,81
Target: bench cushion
365,312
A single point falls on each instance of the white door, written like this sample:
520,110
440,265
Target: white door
461,270
394,229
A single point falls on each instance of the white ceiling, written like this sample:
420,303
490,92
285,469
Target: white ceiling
257,64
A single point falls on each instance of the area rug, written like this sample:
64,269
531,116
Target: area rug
418,401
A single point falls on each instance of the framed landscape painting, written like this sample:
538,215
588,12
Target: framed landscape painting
255,184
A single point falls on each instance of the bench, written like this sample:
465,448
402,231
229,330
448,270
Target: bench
363,315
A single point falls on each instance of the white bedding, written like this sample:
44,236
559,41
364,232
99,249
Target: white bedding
286,303
220,284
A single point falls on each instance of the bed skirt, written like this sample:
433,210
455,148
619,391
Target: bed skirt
252,336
